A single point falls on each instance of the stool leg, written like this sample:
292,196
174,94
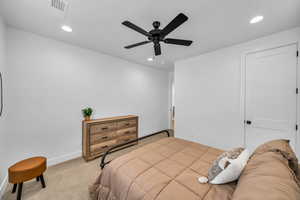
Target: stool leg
42,181
19,191
38,179
14,188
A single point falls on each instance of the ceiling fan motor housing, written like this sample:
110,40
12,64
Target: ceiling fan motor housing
155,33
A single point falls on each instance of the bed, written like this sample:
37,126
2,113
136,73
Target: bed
169,169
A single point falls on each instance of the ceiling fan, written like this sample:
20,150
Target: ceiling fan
158,35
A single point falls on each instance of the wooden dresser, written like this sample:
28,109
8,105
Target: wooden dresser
101,134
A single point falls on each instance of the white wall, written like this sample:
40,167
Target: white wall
50,82
208,92
2,131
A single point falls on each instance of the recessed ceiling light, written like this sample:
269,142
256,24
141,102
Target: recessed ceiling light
150,59
256,19
66,28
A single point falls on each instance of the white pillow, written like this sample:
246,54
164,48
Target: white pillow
233,170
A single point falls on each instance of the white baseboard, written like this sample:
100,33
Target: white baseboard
3,186
50,162
63,158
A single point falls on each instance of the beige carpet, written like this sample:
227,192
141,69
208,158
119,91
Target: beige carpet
68,180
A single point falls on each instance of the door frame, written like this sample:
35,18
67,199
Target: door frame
243,91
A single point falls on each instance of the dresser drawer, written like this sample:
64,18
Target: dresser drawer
125,139
103,127
101,147
102,137
126,123
126,131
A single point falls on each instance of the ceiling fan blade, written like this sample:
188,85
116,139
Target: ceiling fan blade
178,41
136,44
177,21
136,28
157,49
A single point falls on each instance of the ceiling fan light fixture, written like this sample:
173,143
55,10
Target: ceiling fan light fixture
256,19
66,28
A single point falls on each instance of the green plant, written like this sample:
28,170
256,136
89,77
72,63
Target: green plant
87,112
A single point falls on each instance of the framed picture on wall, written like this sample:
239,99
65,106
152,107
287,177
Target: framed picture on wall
1,94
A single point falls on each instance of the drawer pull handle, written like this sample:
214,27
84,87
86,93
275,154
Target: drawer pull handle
105,137
127,124
104,128
127,132
104,147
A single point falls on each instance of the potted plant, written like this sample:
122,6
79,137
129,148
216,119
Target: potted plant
87,112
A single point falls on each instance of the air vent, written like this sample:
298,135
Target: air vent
59,4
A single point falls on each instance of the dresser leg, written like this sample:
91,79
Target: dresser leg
19,191
38,179
14,188
42,181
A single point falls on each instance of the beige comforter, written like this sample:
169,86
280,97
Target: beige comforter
165,170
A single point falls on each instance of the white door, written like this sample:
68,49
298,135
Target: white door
270,96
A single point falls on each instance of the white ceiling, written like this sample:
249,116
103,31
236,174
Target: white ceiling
97,25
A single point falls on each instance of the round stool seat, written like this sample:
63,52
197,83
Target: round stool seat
26,170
